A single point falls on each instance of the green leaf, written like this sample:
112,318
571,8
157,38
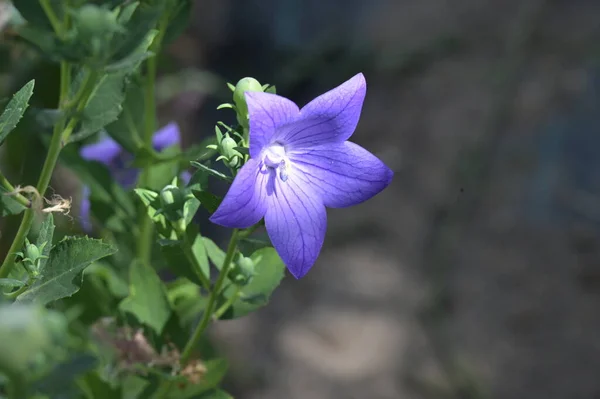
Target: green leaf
147,299
212,172
8,204
269,271
11,283
127,130
143,20
62,275
216,369
33,12
151,201
133,60
103,107
215,254
208,200
178,263
15,109
179,20
45,236
214,394
60,381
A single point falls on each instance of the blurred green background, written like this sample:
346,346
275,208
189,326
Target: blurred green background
476,274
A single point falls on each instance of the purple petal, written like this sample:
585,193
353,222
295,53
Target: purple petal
85,210
185,177
105,151
331,117
296,222
342,174
166,137
267,113
244,204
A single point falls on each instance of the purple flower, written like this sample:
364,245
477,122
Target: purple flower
300,163
111,154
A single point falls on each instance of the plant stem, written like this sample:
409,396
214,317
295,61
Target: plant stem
144,250
21,199
206,317
54,21
45,176
219,312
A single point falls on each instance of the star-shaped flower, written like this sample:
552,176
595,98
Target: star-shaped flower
300,163
110,153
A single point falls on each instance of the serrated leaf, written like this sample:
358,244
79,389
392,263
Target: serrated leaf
142,21
45,235
15,109
62,275
147,299
269,271
8,204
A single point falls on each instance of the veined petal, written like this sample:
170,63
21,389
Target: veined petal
245,202
267,112
296,222
166,136
331,117
342,174
103,151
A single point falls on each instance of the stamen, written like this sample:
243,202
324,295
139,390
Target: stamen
283,171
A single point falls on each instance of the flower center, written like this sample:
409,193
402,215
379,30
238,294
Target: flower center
274,158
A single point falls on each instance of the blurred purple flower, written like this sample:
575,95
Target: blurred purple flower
110,153
301,163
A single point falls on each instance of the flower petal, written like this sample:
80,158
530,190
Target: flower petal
296,222
166,136
267,112
331,117
103,151
343,174
85,210
244,204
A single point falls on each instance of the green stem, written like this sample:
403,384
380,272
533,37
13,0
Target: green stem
206,317
44,180
11,189
219,312
13,295
144,250
189,254
54,21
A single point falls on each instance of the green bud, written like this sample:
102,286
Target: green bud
172,201
32,252
244,85
242,271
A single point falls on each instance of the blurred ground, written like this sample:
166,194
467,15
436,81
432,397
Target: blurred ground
458,281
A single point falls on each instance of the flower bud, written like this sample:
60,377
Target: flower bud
171,200
244,85
242,271
32,252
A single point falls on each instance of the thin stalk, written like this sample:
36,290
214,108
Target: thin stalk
206,317
221,311
21,199
144,250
